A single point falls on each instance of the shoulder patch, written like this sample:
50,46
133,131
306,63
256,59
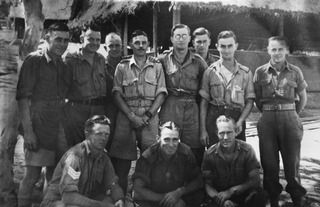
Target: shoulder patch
243,145
244,68
73,173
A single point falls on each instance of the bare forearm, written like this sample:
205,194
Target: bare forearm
203,113
24,111
194,185
142,193
246,110
303,101
123,106
212,192
157,103
76,199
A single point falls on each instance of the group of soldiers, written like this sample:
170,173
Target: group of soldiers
84,116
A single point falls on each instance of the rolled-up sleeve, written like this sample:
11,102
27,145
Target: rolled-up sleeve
302,84
249,90
161,87
27,77
205,86
118,79
70,175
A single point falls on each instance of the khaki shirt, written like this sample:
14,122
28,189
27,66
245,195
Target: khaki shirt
186,76
86,81
271,87
218,91
139,86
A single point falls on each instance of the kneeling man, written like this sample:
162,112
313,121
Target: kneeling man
85,174
167,173
231,170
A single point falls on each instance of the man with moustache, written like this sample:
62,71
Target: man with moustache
277,84
113,46
183,72
201,42
85,174
41,93
139,90
87,80
231,170
227,88
167,173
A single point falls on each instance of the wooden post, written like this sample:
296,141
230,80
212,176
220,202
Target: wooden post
125,35
176,13
155,29
281,25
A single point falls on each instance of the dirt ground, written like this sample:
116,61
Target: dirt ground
309,166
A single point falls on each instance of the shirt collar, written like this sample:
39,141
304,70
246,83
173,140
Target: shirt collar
219,65
132,61
87,147
48,58
269,66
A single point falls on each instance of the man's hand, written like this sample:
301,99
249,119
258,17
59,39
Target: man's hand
30,141
204,138
171,198
145,120
136,121
229,203
222,196
119,203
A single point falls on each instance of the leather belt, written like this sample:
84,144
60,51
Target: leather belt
181,92
226,107
279,107
93,101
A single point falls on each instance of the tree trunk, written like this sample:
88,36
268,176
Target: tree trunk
34,20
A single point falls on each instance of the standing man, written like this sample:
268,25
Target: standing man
231,170
41,93
183,71
201,43
113,45
87,79
85,173
167,173
277,84
139,90
227,88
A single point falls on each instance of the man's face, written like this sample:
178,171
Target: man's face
99,136
114,47
201,44
139,45
180,39
227,47
169,141
91,40
226,134
58,42
277,51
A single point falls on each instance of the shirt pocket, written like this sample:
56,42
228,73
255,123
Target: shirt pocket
130,87
151,83
217,92
289,89
80,77
267,88
237,95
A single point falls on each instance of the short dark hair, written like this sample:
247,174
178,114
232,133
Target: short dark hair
179,26
96,119
227,34
58,26
170,125
91,26
201,31
137,33
279,39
